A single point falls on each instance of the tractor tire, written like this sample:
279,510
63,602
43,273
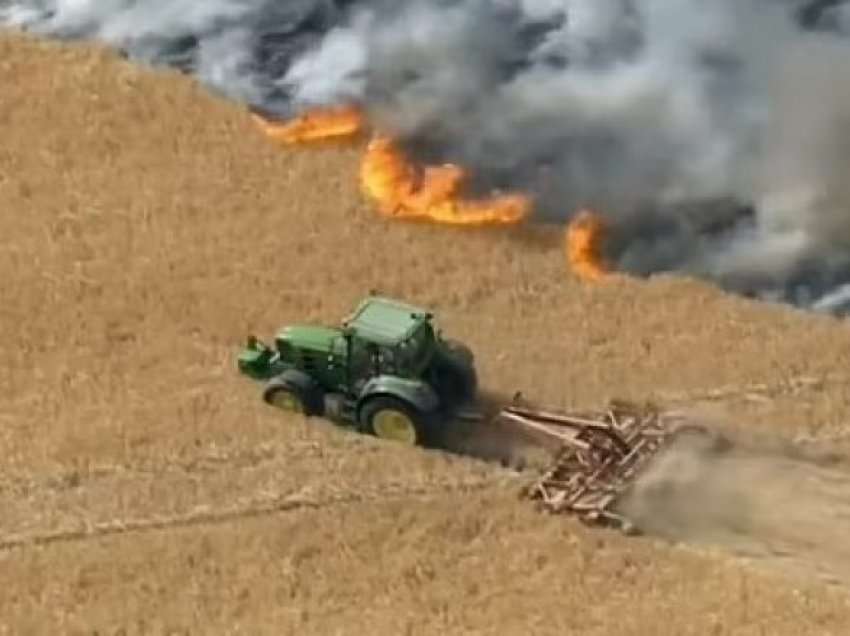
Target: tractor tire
455,378
460,350
294,392
395,420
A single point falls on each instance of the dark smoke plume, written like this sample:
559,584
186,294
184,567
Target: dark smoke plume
713,135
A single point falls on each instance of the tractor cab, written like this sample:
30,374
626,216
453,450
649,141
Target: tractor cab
392,337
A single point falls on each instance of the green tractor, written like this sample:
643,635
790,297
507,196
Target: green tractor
386,371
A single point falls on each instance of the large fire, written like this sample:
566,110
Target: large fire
404,190
400,188
584,237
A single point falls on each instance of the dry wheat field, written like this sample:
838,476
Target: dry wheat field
147,227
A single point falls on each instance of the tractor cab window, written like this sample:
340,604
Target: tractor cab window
387,360
417,348
361,359
407,357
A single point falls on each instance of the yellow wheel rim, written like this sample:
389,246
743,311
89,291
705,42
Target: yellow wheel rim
394,425
287,401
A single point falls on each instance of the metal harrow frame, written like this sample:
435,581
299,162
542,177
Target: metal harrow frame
597,455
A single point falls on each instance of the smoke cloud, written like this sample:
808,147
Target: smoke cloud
713,136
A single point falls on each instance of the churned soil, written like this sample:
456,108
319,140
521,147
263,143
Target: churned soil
147,227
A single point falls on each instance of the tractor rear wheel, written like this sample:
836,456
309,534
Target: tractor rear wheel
455,380
392,419
453,376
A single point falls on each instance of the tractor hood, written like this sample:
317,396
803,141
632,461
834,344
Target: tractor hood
319,339
256,359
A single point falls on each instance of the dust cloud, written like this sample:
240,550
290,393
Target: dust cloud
775,504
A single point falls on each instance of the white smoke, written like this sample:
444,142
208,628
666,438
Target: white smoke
673,117
120,22
331,73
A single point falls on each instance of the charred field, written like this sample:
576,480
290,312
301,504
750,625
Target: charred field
148,226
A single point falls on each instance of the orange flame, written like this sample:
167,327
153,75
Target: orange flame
584,237
315,125
432,193
401,189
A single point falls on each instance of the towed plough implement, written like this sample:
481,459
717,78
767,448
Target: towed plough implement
597,455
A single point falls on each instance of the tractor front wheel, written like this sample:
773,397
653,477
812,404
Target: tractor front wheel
392,419
284,398
290,395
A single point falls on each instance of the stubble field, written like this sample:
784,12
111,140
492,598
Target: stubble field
147,227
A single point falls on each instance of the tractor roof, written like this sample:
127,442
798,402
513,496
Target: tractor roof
385,320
